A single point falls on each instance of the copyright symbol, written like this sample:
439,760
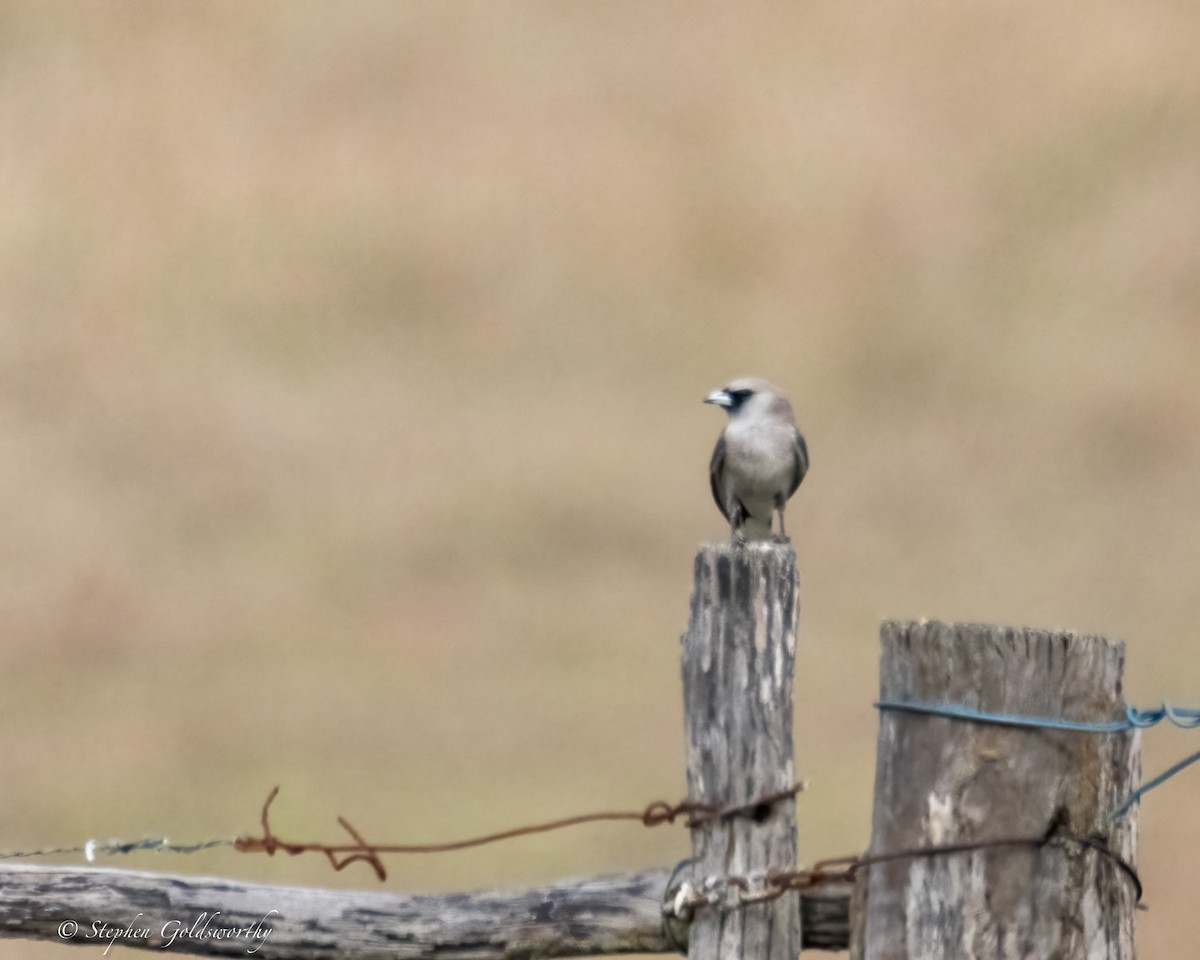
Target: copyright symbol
67,929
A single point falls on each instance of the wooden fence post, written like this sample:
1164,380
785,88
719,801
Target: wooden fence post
942,781
738,662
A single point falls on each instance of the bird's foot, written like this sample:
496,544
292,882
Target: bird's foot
781,538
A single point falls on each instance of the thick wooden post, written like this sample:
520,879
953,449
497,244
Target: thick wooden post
738,660
943,781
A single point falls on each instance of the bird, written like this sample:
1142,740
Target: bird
759,460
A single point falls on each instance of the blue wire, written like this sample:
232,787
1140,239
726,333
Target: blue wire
955,712
1147,787
1135,719
1182,717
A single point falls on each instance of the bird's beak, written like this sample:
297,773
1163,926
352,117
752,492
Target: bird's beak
720,397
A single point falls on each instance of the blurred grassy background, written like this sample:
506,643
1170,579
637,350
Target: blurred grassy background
352,361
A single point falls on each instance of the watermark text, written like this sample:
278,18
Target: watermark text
176,932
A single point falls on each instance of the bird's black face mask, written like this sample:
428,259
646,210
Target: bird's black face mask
736,399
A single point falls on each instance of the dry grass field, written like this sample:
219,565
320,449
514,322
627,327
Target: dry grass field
351,360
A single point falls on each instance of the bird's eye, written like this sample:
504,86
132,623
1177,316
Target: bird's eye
740,395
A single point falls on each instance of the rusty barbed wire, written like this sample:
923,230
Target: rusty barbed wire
768,885
760,887
654,814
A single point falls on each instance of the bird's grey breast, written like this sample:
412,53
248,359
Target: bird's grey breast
759,455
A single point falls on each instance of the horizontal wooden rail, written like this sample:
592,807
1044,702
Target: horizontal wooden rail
211,917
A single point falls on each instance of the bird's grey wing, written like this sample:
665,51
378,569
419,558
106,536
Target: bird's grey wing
716,471
800,461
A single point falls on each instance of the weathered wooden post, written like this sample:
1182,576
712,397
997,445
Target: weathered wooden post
946,781
738,660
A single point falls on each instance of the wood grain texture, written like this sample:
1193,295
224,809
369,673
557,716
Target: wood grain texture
604,915
941,781
738,663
